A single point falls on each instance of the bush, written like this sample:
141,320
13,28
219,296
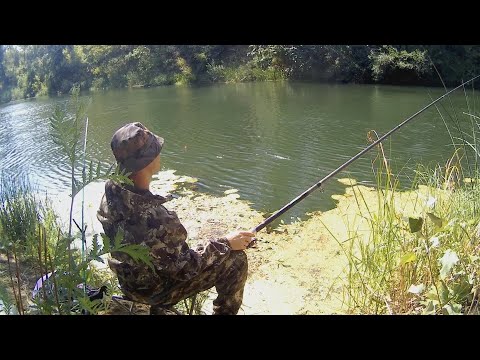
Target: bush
162,79
393,66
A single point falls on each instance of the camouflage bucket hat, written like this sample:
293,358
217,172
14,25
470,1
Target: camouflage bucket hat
134,147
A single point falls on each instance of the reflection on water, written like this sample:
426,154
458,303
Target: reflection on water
269,140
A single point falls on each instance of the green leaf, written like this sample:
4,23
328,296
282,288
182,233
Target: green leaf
429,309
95,244
117,242
120,176
138,253
106,243
461,290
432,294
448,260
416,289
435,219
73,148
91,306
453,309
407,258
443,292
110,169
415,224
96,250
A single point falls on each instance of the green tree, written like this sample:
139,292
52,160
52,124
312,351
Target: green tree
393,66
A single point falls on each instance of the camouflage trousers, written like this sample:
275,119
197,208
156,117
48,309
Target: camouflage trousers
228,278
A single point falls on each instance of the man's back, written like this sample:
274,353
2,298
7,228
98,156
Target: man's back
140,218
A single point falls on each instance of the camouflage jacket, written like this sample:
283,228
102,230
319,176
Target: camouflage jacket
144,220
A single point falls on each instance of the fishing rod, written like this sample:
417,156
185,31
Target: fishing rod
344,165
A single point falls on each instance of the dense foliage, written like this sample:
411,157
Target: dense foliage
31,70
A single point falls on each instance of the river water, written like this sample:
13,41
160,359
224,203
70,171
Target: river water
271,141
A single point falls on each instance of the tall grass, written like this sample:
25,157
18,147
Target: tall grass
20,212
29,234
416,255
421,254
23,217
34,245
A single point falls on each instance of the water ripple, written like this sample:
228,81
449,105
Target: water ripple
269,140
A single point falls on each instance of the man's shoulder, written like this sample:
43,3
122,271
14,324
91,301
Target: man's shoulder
128,190
136,201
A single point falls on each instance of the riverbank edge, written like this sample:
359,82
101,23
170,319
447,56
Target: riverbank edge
298,268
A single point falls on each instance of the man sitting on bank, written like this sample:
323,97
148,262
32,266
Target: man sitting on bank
179,271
